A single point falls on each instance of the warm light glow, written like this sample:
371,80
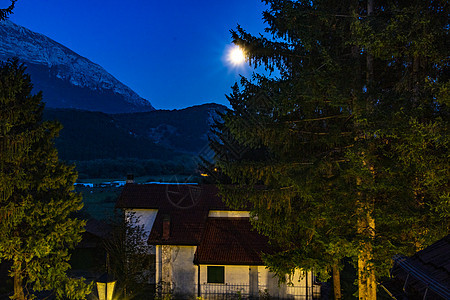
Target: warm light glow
106,290
236,56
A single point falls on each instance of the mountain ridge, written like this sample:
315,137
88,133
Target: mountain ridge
69,79
160,134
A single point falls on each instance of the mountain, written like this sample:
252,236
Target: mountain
159,134
148,143
67,79
90,135
183,130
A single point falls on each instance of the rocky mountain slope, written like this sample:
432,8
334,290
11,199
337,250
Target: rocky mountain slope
67,79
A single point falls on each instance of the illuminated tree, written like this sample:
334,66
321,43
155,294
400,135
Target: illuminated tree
128,256
292,210
355,130
37,197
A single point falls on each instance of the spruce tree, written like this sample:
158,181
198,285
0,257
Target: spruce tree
4,12
37,198
355,129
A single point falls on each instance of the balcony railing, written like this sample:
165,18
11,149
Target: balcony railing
217,291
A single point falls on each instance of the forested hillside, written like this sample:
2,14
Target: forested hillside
95,135
184,130
152,143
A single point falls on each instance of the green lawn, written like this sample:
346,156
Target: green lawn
99,202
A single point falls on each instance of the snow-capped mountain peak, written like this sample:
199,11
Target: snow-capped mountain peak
67,70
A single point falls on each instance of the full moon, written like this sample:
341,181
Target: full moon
236,56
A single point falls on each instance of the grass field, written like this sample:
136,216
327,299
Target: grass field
99,202
144,179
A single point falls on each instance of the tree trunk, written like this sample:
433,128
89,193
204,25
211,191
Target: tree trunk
367,288
336,281
18,282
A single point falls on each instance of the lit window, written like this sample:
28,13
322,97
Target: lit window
216,274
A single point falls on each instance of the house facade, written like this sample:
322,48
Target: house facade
203,248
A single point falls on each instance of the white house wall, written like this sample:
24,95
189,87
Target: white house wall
257,280
228,214
302,285
174,266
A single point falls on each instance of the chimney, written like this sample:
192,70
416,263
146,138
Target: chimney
166,227
130,178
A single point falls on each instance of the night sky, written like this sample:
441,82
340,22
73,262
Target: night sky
173,53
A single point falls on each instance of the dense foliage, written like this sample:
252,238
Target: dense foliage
37,195
348,145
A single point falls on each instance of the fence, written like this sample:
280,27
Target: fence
217,291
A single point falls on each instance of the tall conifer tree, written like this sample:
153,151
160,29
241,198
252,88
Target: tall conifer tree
355,129
37,197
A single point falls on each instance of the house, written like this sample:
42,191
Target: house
203,248
425,275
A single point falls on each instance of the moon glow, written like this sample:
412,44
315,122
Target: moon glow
236,56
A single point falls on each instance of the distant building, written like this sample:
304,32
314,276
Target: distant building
89,257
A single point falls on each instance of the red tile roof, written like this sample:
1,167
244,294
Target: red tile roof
219,240
186,205
98,228
186,227
170,196
231,241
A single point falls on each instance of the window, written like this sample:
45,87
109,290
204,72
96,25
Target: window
216,274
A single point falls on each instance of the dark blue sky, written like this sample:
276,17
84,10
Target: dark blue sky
169,52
